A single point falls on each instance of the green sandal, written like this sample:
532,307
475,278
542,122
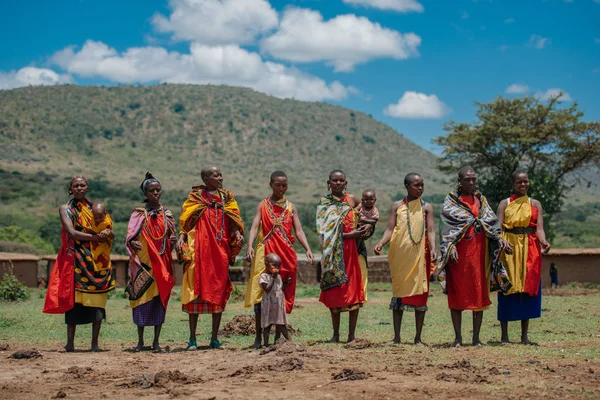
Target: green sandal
192,345
215,344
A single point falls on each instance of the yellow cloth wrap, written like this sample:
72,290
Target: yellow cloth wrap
364,271
187,283
517,215
91,299
408,267
253,291
102,248
152,291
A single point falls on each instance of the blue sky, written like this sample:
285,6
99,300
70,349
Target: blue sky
413,64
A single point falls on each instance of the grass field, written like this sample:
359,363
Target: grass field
564,365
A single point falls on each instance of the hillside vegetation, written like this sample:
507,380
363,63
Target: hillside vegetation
113,135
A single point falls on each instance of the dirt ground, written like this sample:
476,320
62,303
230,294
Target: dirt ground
294,371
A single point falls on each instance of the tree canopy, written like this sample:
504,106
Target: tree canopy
545,139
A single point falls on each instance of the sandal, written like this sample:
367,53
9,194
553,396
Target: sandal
215,344
192,345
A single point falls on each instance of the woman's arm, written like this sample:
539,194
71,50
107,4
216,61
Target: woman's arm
253,232
300,233
75,234
387,235
500,212
541,234
430,224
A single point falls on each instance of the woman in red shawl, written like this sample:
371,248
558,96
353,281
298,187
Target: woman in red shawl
150,237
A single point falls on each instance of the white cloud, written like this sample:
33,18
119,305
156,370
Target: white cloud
217,22
415,105
517,88
343,41
403,6
31,76
553,92
538,41
509,21
229,65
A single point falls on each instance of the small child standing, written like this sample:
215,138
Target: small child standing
368,216
273,300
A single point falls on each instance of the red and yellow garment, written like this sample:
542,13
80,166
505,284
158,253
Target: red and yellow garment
275,235
211,246
524,265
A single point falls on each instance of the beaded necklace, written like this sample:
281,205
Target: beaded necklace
410,235
147,222
219,235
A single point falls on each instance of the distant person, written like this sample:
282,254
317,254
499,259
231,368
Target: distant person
470,231
522,223
553,276
151,236
412,254
274,224
273,300
211,236
82,276
368,215
341,284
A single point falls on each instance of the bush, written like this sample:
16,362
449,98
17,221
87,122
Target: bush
12,289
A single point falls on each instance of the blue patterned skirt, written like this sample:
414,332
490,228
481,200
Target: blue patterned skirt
151,313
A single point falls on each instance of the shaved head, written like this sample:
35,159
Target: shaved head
409,178
98,208
207,170
273,259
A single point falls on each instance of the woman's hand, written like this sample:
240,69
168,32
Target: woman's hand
454,255
136,245
505,246
180,242
240,238
545,246
309,256
249,254
104,235
378,248
433,255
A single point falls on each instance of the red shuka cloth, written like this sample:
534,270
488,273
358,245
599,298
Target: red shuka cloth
277,244
162,265
211,279
467,280
60,296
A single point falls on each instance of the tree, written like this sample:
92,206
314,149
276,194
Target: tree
545,139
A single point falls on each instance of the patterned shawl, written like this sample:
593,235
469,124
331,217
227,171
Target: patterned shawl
331,213
456,220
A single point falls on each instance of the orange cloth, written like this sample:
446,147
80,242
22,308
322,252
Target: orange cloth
467,281
162,265
353,292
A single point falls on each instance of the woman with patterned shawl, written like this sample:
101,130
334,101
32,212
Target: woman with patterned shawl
523,227
411,255
150,237
471,244
80,281
273,223
210,237
341,279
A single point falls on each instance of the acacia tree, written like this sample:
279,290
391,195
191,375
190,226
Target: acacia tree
546,139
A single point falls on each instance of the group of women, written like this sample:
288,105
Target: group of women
480,252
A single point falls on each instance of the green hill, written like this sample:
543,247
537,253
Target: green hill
113,135
118,133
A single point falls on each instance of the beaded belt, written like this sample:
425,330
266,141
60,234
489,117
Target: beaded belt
522,231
